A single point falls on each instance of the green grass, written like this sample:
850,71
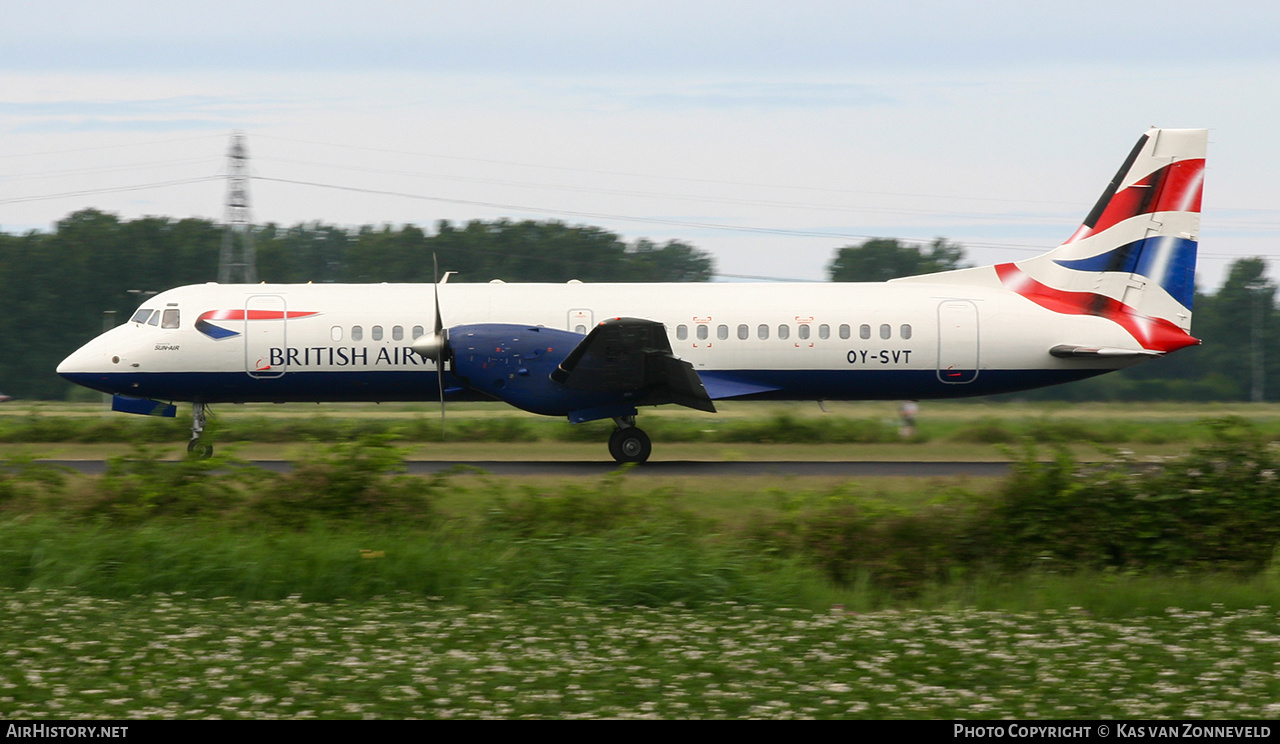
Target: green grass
965,426
195,589
215,528
178,656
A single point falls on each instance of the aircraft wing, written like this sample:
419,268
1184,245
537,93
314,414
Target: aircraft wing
631,354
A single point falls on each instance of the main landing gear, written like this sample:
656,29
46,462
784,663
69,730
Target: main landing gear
628,443
197,446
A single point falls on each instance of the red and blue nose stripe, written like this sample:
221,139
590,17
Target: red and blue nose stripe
205,324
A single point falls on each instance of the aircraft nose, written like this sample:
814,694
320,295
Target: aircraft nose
73,361
75,367
88,366
72,364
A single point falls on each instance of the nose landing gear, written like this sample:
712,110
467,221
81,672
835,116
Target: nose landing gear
197,447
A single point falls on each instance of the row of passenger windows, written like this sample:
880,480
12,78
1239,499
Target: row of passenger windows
169,318
703,331
375,333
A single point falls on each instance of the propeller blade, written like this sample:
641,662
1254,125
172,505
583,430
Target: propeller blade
441,340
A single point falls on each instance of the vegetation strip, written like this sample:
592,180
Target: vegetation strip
204,588
770,424
222,526
176,656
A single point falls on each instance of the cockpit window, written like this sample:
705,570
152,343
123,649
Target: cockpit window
141,316
155,319
171,318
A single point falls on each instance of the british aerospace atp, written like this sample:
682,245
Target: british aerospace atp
1117,292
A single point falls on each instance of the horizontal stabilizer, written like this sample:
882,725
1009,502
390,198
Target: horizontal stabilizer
1069,351
633,355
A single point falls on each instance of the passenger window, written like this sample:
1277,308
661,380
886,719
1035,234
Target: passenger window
357,333
743,332
682,332
763,332
864,331
397,333
335,333
702,332
417,331
140,316
824,331
803,331
845,330
722,332
784,330
377,333
580,329
906,331
885,330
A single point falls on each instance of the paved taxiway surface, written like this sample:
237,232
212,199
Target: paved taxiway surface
679,468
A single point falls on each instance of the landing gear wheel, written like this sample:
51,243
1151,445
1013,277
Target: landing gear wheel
629,445
197,447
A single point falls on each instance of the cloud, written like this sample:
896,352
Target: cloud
179,113
762,95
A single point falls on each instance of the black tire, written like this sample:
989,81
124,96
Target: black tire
629,445
199,448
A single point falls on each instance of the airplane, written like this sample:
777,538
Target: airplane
1119,291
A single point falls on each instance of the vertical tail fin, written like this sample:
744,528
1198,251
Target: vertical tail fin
1147,222
1133,260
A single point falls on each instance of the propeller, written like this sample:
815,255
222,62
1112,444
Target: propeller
435,346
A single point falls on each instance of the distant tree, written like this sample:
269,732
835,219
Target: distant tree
672,262
1226,322
303,253
555,252
389,255
882,259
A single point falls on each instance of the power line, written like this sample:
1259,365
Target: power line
807,206
1019,247
109,190
108,147
629,174
13,177
596,215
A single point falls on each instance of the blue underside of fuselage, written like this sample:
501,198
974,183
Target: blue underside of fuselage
388,386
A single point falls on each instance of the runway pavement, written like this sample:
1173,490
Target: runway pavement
667,468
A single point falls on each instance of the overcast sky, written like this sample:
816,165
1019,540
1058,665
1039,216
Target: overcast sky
767,133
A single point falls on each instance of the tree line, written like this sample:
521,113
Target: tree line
60,285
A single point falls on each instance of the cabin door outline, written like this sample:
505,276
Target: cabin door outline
264,332
958,347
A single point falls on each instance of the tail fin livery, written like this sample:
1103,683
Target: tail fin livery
1133,259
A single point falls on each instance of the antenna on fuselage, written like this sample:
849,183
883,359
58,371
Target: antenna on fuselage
237,263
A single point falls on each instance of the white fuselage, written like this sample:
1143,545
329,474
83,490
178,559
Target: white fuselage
329,342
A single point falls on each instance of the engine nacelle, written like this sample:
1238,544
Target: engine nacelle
513,363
